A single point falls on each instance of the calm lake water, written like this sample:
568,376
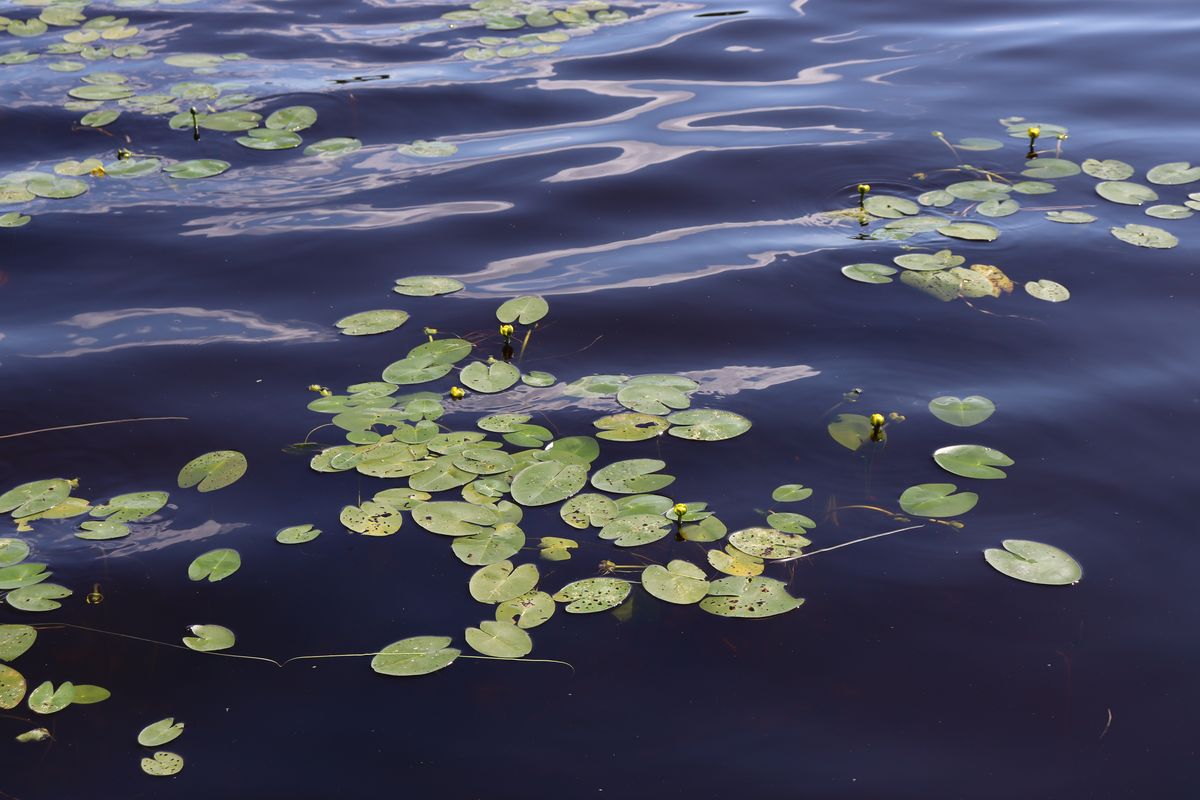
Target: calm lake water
659,181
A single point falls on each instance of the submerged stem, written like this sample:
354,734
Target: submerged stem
847,544
87,425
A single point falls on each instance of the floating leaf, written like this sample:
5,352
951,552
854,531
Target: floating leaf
334,147
371,519
1048,290
1051,168
636,529
851,431
163,764
526,309
86,694
709,529
548,482
98,119
292,118
869,273
297,534
196,168
936,500
979,191
489,378
749,598
40,597
55,187
19,575
791,493
732,561
882,205
1034,562
34,497
707,425
1145,236
998,208
422,148
229,121
1070,217
527,611
679,582
101,92
12,688
592,595
15,640
35,735
971,231
976,143
213,471
498,582
367,322
46,699
215,565
499,639
13,219
938,198
630,427
583,510
103,531
490,545
417,655
962,412
13,551
159,733
1169,212
454,518
1173,174
654,399
207,638
790,522
131,507
768,543
1130,194
632,477
922,262
269,139
538,379
972,461
556,548
1034,187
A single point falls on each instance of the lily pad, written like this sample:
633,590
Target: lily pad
101,92
632,477
585,510
490,545
163,764
936,500
851,431
368,322
1110,169
292,118
499,639
971,231
1070,217
869,273
215,565
196,168
1051,168
556,548
12,688
334,147
527,611
979,191
213,471
1048,290
630,427
962,412
131,507
526,310
269,139
39,597
15,640
978,144
538,379
732,561
972,461
417,655
56,187
924,262
427,286
998,208
13,219
1130,194
132,168
938,198
229,121
87,694
34,497
654,399
98,119
208,638
372,519
1173,174
679,582
789,522
46,699
297,534
1034,187
888,207
636,529
499,582
749,598
102,531
791,493
1145,236
1169,212
707,425
548,482
1034,562
768,543
13,551
592,595
489,378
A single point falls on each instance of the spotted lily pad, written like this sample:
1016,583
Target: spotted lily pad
372,519
1145,236
937,500
163,764
1048,290
1034,562
923,262
707,425
732,561
368,322
592,595
215,565
12,688
489,545
15,640
1109,169
46,699
679,582
768,542
634,530
34,497
208,638
102,531
632,477
749,598
427,285
888,207
297,534
1173,174
526,310
653,399
527,611
583,510
417,655
972,461
499,639
213,471
962,412
131,507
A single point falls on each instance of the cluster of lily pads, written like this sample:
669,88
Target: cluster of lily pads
992,194
512,15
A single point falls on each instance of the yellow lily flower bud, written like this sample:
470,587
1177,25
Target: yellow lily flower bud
506,330
863,188
457,393
1034,133
680,509
877,420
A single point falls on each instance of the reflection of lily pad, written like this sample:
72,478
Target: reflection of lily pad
426,149
1034,562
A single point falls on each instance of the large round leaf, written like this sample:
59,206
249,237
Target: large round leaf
215,565
979,190
591,595
636,529
582,450
34,497
936,500
972,461
56,187
649,398
707,425
417,655
368,322
15,640
749,598
882,205
768,543
1109,169
499,639
971,231
583,510
925,262
196,168
1034,562
527,611
372,519
159,733
209,638
39,597
679,582
962,412
490,545
1130,194
1172,174
164,764
526,310
424,285
212,471
548,482
292,118
1051,168
131,507
499,582
869,273
489,378
1145,236
416,369
632,477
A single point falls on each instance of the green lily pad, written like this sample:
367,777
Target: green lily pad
427,286
416,369
13,219
215,565
978,143
207,638
101,92
851,431
334,147
791,493
102,531
979,191
229,121
636,529
502,423
1048,290
707,425
998,208
1173,174
1070,217
292,118
1051,168
526,309
654,399
1109,169
34,497
1034,187
585,510
749,598
1034,562
938,198
789,522
422,148
936,500
499,639
1169,212
46,699
196,168
972,461
132,167
888,207
368,322
12,688
592,595
417,655
630,427
499,582
768,543
971,231
679,582
56,187
297,534
163,764
13,551
556,548
869,273
269,139
527,611
1130,194
490,545
26,574
595,386
548,482
489,378
371,519
573,450
39,597
213,471
962,412
87,694
923,262
159,733
98,119
131,507
193,60
15,640
1145,236
538,379
633,476
483,461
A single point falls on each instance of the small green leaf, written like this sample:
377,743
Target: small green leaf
1034,562
499,639
292,118
45,699
159,733
213,471
15,640
417,655
632,476
936,500
297,534
592,595
869,273
498,582
368,322
791,493
679,582
207,638
526,310
215,565
1048,290
972,461
40,597
163,764
962,412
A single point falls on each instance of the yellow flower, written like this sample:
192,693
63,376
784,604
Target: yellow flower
680,509
1034,133
457,393
506,330
98,172
325,392
863,188
877,420
314,387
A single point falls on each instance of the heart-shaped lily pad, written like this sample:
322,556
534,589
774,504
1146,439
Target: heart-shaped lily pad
46,699
39,597
215,565
962,412
749,598
368,322
791,493
12,688
159,733
591,595
707,425
633,476
1130,194
679,582
1110,169
924,262
417,655
525,310
15,640
972,461
489,378
634,530
971,231
869,273
1173,174
1034,562
527,611
583,510
882,205
207,638
498,582
1048,290
937,500
163,764
1145,236
499,639
490,545
212,471
548,482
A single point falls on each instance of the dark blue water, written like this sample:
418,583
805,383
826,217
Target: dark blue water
660,182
